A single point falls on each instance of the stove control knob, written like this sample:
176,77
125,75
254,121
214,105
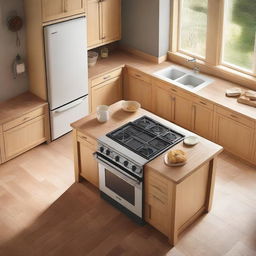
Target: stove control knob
101,149
107,152
117,158
126,163
134,168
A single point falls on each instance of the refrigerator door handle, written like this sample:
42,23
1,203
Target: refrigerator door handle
65,108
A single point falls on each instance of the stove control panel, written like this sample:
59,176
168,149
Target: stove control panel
119,159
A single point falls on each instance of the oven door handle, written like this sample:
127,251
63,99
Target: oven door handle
114,168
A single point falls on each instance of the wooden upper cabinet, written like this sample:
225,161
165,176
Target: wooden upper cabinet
58,9
104,22
93,21
111,20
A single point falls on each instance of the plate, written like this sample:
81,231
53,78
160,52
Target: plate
130,106
166,161
191,140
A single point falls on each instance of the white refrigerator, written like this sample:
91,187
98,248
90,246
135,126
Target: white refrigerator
67,73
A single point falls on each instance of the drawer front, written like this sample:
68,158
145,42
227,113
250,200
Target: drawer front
139,75
157,186
236,117
86,139
203,103
24,137
106,77
23,119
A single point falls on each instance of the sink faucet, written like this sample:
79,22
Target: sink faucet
196,68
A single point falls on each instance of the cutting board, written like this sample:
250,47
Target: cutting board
247,101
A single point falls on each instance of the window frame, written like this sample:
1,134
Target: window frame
213,62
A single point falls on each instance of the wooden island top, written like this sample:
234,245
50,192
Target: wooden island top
197,156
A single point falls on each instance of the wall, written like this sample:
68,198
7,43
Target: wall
145,25
10,87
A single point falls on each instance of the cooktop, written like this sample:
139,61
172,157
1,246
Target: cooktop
146,137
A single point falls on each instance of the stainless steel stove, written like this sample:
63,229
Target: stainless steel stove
122,154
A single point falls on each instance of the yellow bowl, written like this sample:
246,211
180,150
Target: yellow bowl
130,106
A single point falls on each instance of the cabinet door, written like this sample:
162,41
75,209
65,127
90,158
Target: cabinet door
162,103
88,165
234,136
52,9
73,7
182,111
106,93
111,20
93,20
202,121
139,90
24,137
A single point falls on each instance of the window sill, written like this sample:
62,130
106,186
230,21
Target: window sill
218,71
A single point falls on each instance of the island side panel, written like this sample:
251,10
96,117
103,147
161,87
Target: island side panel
211,184
191,198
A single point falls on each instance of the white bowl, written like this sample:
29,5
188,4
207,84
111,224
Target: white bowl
130,106
191,140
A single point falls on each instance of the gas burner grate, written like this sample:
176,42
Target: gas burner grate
146,137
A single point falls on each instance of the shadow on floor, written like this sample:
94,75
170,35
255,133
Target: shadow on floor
81,223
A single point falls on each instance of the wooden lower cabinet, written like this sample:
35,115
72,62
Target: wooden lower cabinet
106,93
162,102
202,121
139,88
88,167
172,207
234,136
182,111
23,137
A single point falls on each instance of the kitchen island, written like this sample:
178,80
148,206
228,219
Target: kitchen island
174,197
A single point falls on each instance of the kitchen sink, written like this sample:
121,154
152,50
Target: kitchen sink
184,78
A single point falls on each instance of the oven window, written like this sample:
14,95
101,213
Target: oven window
120,187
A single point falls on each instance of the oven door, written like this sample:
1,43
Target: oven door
121,187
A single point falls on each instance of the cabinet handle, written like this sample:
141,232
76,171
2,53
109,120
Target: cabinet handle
107,77
26,118
173,90
194,125
174,108
154,186
83,137
139,76
203,103
158,199
233,116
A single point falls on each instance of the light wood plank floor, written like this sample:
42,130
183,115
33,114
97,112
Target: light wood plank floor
42,213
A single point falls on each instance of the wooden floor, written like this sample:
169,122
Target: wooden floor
43,213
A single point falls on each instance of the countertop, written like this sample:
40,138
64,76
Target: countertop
215,92
198,155
19,106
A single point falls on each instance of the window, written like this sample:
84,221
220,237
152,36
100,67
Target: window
239,34
193,26
220,33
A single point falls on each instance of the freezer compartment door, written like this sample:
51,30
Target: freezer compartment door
62,117
66,61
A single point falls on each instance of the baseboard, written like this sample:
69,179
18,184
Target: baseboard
143,55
